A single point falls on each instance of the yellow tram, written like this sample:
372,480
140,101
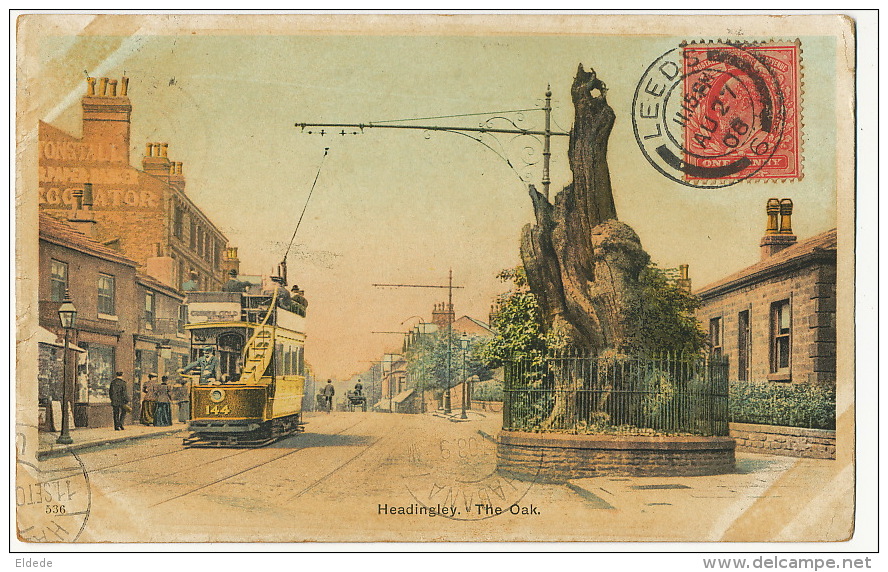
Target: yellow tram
248,355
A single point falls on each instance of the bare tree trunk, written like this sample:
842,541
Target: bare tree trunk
582,264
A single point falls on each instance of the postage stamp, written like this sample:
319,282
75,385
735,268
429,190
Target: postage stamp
410,278
713,114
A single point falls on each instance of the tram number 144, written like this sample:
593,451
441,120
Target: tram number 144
218,410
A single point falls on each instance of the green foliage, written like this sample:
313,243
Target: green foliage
519,330
793,405
490,390
663,320
427,360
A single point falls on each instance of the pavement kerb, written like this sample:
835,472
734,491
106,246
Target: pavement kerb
58,452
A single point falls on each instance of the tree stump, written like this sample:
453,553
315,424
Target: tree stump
583,264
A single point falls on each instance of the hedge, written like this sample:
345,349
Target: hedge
791,405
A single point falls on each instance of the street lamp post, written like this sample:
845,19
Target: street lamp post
67,316
464,344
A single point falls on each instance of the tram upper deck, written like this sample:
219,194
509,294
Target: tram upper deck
218,308
255,338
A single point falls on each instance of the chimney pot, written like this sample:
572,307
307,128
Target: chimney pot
90,86
113,84
103,86
149,149
87,195
773,209
124,83
786,216
163,149
172,168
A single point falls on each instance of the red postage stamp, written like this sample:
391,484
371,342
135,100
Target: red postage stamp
740,111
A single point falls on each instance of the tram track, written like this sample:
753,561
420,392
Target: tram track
238,473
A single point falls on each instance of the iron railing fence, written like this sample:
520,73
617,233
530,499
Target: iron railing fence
572,392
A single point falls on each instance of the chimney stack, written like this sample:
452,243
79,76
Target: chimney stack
155,161
176,178
441,316
82,218
684,281
106,118
778,233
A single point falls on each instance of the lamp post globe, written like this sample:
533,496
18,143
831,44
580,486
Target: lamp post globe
68,319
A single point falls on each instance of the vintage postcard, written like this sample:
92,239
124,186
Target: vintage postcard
419,278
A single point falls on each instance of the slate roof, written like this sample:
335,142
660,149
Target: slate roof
818,246
57,232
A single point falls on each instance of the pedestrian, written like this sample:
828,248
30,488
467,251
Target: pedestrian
329,391
119,400
149,400
163,416
182,395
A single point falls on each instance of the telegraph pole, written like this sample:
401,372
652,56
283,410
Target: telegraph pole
450,288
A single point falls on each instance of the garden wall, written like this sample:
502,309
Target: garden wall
787,441
560,457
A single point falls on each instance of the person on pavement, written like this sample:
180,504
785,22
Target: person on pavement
149,400
182,395
163,416
119,400
328,392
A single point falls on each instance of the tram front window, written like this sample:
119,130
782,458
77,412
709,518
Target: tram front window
231,349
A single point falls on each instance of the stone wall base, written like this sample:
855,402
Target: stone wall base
560,457
786,441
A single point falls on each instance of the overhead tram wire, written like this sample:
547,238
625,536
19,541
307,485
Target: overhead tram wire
305,206
459,115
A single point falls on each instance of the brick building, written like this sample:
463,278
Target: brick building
145,214
126,321
102,284
776,320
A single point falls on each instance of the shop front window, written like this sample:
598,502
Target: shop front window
101,371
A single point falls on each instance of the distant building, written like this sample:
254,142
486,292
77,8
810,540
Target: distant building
144,214
776,320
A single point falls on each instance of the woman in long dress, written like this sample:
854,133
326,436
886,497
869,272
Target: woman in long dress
149,400
163,416
181,393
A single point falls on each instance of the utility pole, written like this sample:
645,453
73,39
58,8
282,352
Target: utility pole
546,133
450,288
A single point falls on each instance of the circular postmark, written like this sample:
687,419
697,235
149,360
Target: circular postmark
457,478
709,115
53,498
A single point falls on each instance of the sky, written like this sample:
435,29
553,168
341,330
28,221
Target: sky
397,206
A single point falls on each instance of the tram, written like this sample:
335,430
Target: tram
248,367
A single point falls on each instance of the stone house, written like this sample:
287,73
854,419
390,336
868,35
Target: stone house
776,320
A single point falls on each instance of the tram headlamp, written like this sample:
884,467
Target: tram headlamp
217,395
